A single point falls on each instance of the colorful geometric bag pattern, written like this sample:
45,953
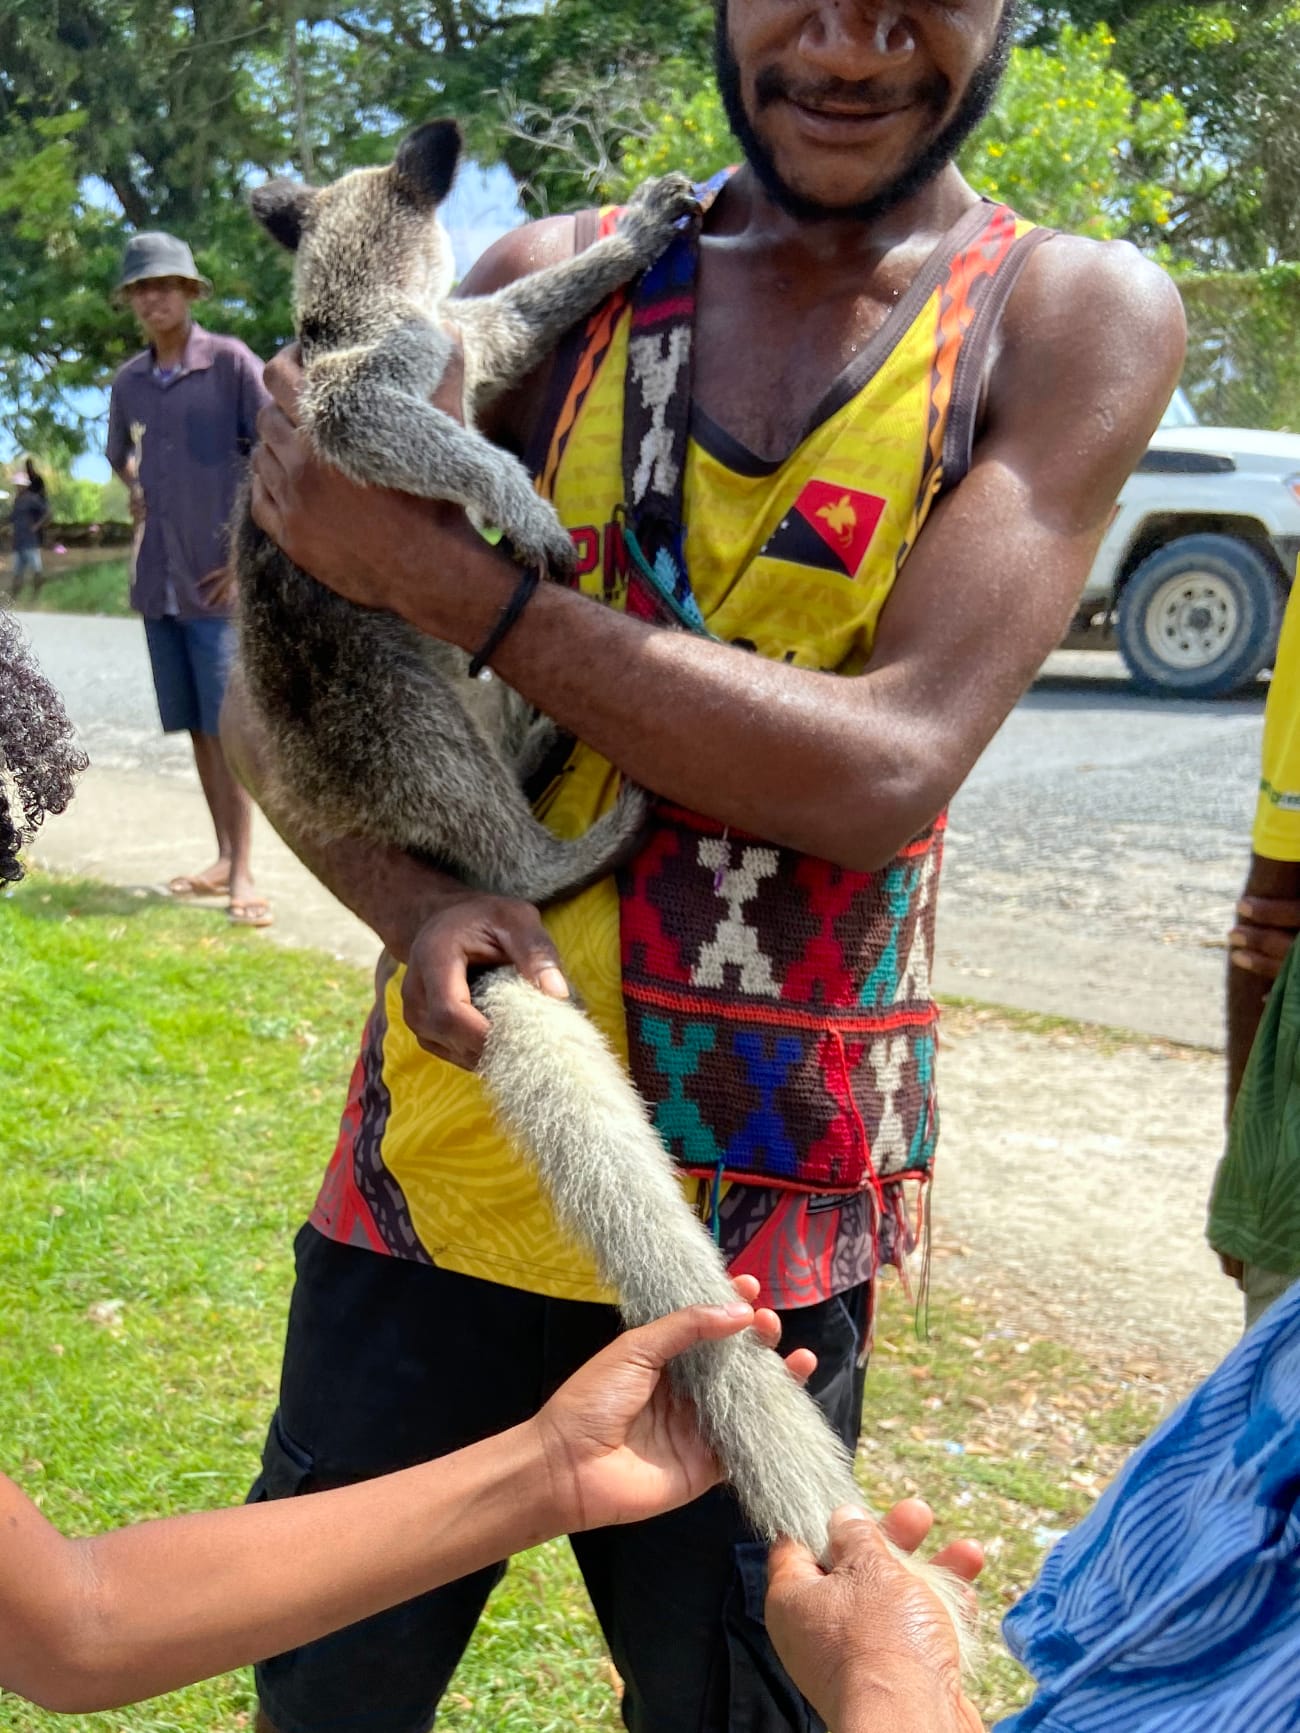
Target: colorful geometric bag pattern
779,1009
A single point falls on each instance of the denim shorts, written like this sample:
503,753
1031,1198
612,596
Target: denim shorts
27,563
389,1362
191,662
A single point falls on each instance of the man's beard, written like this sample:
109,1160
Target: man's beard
930,160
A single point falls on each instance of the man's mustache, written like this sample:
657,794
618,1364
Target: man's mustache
871,94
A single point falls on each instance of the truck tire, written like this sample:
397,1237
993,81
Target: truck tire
1199,618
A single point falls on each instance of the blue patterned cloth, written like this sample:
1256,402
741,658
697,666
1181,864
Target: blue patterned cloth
1175,1605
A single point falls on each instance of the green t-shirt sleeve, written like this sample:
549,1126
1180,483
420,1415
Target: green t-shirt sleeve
1255,1203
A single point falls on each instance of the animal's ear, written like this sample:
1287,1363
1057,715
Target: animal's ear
282,207
426,159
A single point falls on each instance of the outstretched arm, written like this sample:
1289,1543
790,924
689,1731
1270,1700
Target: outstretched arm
847,769
91,1624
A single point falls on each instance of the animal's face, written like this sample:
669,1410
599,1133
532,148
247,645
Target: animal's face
373,233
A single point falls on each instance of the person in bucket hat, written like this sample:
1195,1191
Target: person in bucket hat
182,421
153,257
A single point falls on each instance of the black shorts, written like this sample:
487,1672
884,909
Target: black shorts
389,1363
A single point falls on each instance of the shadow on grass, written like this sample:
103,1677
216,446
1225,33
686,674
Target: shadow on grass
42,898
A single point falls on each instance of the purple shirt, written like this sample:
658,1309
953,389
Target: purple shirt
200,424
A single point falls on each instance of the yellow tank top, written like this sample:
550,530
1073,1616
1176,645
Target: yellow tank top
795,560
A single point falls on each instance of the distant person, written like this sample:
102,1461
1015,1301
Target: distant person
1255,1208
181,424
29,515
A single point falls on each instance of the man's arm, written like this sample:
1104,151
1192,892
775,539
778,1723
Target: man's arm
94,1623
122,457
252,398
847,769
1268,919
117,446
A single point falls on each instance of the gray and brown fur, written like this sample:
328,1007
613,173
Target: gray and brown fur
375,730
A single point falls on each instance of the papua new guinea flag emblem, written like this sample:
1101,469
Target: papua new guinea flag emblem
828,526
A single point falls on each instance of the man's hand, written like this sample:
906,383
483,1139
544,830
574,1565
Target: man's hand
619,1444
1263,935
867,1643
466,932
218,587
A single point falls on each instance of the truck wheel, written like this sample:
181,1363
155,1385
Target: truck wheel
1199,617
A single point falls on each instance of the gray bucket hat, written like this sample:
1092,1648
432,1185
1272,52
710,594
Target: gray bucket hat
158,255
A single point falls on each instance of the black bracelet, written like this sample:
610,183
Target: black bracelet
528,582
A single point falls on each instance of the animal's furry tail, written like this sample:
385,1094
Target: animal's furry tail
541,868
572,1111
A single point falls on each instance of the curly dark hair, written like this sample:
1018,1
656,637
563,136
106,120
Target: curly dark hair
39,759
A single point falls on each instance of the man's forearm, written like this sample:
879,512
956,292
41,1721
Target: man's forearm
778,751
785,753
1247,995
1268,918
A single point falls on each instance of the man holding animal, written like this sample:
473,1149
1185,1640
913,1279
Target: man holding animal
861,439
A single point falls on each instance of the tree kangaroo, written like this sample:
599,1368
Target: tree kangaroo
377,730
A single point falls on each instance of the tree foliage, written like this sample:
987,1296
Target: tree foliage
1070,144
1175,123
1243,364
126,114
1232,65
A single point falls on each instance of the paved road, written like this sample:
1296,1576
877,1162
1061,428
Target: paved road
1096,851
1093,857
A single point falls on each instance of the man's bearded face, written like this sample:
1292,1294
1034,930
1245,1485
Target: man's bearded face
848,109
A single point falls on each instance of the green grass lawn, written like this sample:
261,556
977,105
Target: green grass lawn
169,1092
97,587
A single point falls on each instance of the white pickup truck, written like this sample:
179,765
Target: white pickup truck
1194,571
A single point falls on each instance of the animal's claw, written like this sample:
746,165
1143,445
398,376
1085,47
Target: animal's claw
656,207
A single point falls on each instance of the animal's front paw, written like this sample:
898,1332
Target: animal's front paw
655,209
538,537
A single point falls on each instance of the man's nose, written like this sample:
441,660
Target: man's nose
858,38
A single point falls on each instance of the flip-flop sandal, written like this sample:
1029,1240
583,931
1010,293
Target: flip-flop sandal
195,885
251,912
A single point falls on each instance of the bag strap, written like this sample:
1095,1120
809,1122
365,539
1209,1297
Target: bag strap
656,427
